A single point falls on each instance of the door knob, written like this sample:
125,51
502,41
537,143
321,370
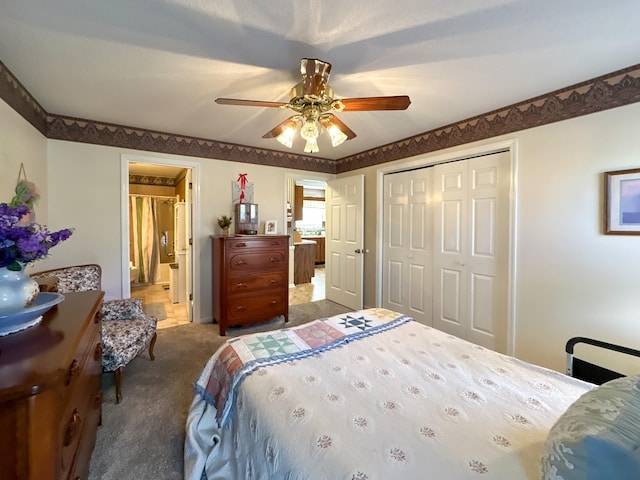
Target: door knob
357,250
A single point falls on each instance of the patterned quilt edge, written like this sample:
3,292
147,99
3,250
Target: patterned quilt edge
224,417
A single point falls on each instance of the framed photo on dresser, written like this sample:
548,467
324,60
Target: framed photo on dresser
271,227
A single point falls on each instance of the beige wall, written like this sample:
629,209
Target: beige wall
90,201
20,142
570,279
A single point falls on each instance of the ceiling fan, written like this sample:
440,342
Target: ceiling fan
312,100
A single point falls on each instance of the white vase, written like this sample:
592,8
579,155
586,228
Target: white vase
17,290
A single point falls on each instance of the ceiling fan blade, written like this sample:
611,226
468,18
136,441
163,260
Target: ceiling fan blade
328,119
400,102
315,75
274,132
248,103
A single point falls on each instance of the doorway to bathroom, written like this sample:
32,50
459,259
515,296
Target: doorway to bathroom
159,239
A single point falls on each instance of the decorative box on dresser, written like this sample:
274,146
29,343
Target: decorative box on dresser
250,279
50,394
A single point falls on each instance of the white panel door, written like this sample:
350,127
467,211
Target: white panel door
450,247
344,241
471,249
407,247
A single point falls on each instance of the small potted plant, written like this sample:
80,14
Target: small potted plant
224,222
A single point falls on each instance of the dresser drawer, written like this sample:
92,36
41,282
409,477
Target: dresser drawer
248,308
79,417
259,261
242,243
86,352
259,281
85,448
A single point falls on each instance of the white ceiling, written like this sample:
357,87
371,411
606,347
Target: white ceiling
159,64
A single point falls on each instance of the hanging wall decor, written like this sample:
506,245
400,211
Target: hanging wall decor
26,193
241,190
622,202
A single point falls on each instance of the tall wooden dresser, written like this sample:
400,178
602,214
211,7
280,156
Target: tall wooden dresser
250,279
50,393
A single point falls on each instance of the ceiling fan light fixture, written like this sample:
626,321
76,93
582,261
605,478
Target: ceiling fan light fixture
337,136
309,130
311,146
286,137
312,100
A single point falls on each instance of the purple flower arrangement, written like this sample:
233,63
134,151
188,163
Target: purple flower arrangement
23,242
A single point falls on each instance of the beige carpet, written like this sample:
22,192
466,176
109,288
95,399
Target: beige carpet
143,436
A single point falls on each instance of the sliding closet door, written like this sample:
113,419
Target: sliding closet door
471,249
407,266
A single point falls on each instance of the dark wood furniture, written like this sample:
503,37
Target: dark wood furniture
50,394
319,246
298,202
304,260
250,279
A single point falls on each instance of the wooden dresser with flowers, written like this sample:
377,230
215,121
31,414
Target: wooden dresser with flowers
50,392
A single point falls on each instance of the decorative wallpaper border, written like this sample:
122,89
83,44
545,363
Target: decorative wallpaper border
18,98
613,90
608,91
89,131
152,180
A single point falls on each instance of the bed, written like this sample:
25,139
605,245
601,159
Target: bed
374,394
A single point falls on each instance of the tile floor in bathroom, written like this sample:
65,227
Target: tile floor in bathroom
177,313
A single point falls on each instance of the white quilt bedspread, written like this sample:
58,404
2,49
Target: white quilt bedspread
407,403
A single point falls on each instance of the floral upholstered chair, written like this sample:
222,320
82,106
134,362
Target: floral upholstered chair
126,333
126,330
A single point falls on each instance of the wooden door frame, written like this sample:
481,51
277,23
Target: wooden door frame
510,145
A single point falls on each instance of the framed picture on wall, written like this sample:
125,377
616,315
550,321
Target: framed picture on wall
270,227
622,202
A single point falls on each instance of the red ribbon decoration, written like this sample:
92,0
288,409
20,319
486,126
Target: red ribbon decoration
243,184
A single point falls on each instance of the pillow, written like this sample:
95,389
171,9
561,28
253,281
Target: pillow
598,437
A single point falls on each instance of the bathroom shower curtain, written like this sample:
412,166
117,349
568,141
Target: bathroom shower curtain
145,246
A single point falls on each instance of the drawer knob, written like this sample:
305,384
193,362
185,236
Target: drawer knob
241,244
97,354
241,262
72,428
241,285
72,372
273,259
98,317
272,281
274,302
97,399
240,308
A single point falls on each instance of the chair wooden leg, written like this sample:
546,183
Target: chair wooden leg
118,375
151,345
